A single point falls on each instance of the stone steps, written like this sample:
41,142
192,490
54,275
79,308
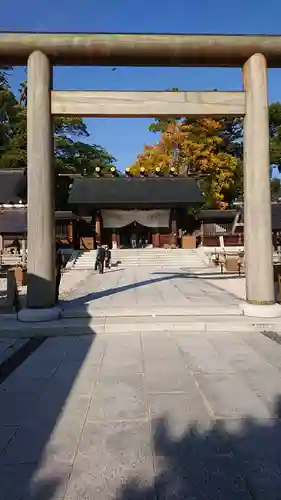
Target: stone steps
151,312
122,325
163,258
162,265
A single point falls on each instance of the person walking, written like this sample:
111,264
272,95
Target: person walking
99,264
107,257
59,265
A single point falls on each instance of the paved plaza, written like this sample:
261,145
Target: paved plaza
149,290
143,416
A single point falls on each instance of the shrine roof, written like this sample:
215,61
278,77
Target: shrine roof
135,191
217,215
9,181
13,220
275,216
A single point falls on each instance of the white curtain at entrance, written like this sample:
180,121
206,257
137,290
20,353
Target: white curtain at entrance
149,218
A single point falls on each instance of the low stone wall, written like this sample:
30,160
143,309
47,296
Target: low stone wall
9,292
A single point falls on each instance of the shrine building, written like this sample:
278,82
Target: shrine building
122,208
111,209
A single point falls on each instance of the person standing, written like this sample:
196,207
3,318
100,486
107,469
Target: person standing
107,256
100,259
59,265
134,240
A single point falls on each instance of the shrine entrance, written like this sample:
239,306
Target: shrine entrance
134,228
135,235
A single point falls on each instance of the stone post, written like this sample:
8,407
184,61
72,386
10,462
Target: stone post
257,197
1,249
23,248
114,239
174,229
69,231
157,238
98,228
118,239
41,214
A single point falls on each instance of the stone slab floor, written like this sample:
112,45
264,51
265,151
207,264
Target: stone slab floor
143,287
144,416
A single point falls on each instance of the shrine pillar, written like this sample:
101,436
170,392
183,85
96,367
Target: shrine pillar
260,293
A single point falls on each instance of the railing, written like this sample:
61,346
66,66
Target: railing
224,240
214,229
8,259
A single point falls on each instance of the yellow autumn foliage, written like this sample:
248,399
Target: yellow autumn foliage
193,149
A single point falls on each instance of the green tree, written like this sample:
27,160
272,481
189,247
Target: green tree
71,154
275,188
9,110
231,132
275,134
160,125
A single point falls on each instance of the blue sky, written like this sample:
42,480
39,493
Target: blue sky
125,138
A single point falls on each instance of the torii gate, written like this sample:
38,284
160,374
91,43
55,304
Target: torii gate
254,53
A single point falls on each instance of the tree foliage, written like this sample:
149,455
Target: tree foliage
9,114
196,148
275,188
210,151
71,154
275,134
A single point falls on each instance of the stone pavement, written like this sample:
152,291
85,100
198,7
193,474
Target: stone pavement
5,347
8,347
71,279
144,416
148,289
230,282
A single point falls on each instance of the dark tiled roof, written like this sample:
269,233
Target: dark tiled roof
9,183
217,215
13,221
276,216
123,191
65,215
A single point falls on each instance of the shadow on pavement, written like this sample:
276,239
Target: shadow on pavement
227,460
35,400
233,460
209,275
113,291
162,277
37,450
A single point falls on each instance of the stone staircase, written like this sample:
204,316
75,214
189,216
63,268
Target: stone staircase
149,257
